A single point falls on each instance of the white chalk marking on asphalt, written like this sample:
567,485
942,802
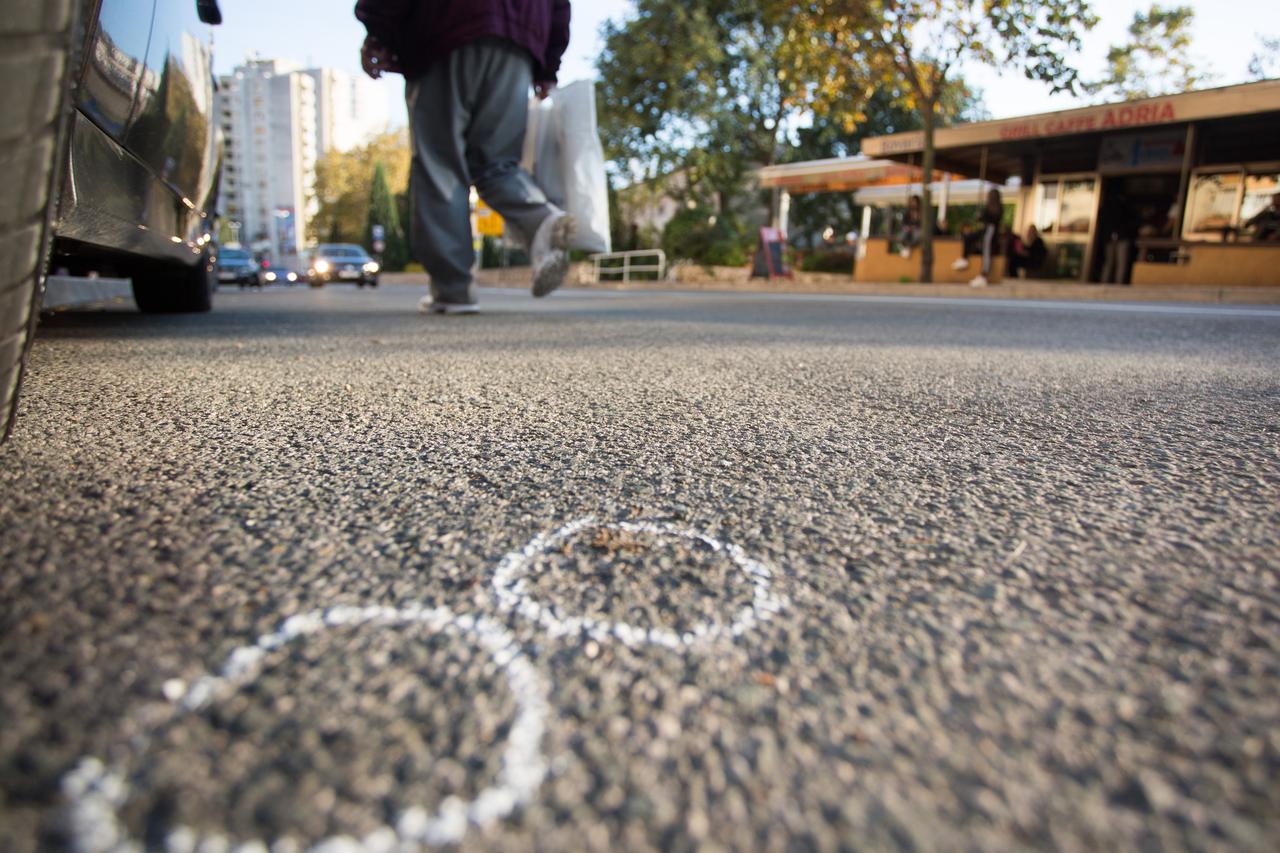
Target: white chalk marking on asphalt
510,584
96,793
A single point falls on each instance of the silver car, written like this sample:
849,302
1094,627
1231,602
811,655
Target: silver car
110,154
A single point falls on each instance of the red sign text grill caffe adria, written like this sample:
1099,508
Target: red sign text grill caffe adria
1108,118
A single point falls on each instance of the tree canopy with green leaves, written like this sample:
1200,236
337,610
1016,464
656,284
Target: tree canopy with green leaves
699,85
836,47
1265,62
344,180
383,212
1156,60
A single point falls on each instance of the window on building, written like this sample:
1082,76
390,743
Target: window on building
1212,206
1047,208
1259,190
1077,207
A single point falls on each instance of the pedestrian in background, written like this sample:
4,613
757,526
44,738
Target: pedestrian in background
1026,256
985,240
468,67
909,236
1265,226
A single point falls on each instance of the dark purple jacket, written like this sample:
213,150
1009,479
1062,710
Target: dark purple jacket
422,31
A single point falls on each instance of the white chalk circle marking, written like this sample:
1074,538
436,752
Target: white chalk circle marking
511,589
95,793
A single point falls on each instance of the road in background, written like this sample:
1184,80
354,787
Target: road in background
845,573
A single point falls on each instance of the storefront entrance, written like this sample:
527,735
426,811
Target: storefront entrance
1133,210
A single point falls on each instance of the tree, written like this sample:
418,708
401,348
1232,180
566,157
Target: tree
918,45
344,181
1265,62
698,85
383,212
1156,60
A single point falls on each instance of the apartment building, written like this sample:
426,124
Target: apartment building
268,111
349,109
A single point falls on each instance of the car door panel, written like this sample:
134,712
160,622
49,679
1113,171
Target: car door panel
115,64
174,127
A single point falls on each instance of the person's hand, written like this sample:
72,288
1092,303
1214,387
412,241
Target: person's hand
543,89
377,59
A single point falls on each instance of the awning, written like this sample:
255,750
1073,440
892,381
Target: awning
844,174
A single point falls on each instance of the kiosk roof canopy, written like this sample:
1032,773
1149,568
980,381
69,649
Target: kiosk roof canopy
843,174
1002,146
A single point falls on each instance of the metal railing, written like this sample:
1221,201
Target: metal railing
658,265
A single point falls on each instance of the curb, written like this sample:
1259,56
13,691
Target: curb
1029,290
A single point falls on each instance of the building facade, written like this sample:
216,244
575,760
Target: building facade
268,114
350,109
1180,189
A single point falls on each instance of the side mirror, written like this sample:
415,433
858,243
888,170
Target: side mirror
208,11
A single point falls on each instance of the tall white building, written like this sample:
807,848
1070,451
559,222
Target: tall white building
350,109
267,109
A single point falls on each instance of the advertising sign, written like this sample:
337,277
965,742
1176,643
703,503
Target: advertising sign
1144,152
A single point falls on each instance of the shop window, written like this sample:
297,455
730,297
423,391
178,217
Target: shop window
1211,207
1047,208
1077,207
1255,224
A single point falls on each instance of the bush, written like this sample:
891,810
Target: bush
707,238
831,260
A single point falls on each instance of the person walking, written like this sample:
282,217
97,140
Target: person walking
468,67
986,240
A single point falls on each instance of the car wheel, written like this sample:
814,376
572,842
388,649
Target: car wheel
173,289
36,48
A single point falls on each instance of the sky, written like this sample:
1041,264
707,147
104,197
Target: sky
324,32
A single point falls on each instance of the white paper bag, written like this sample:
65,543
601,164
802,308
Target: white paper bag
563,153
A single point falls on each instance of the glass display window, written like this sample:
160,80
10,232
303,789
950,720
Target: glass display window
1212,205
1078,204
1047,207
1260,208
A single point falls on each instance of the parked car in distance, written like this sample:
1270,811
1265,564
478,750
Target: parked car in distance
236,266
342,262
272,274
111,157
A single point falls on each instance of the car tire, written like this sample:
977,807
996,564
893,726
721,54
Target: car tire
174,289
36,52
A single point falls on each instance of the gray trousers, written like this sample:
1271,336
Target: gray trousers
467,117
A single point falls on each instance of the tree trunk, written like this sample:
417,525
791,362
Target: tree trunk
927,218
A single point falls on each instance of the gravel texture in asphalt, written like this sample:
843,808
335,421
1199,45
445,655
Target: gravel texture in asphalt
1003,576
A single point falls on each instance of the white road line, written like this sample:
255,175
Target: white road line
511,592
95,793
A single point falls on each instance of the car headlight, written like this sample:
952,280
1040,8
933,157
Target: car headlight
271,276
322,266
293,276
372,266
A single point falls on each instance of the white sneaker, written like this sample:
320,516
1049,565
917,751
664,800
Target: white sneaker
979,281
428,306
550,252
960,264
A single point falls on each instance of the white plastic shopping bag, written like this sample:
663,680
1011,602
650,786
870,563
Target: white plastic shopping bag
563,153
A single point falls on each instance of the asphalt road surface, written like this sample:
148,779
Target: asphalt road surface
630,571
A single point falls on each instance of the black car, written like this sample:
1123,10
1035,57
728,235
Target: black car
110,161
342,262
236,266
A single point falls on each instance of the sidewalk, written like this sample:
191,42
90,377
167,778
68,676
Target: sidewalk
837,285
